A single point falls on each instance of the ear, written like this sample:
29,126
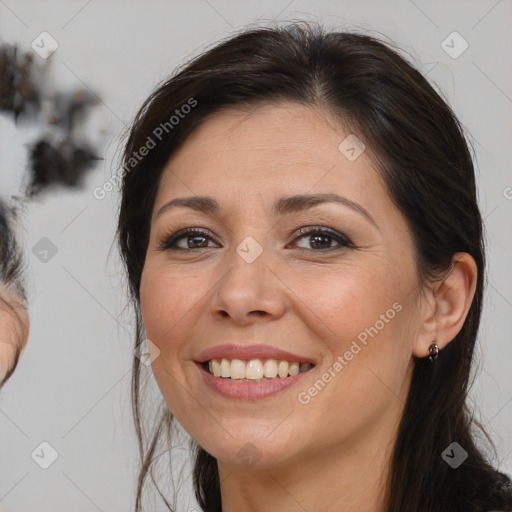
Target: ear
447,304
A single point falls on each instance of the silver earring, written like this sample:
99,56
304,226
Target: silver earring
433,351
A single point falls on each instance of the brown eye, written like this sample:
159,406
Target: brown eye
320,238
187,239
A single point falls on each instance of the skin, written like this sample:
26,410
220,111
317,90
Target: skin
14,330
333,452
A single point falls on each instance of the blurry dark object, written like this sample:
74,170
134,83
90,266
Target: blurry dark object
69,109
18,92
61,154
62,164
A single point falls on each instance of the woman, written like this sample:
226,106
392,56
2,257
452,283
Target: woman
14,322
303,244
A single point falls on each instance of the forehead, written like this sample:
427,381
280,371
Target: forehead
268,150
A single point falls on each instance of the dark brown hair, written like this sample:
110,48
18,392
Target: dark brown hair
425,162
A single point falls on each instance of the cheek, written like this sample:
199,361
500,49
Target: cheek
360,316
171,300
343,303
362,319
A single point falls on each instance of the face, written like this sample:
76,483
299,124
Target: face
14,327
332,284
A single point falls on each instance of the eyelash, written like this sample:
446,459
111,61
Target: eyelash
168,243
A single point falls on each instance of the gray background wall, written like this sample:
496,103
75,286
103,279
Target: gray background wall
71,389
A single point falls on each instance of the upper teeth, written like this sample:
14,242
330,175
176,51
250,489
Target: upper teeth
255,368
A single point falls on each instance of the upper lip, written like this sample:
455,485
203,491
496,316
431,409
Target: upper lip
248,352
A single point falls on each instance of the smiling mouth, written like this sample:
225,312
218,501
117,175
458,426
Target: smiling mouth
254,370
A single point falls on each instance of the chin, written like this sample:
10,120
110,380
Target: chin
249,449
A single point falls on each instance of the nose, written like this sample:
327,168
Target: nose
249,289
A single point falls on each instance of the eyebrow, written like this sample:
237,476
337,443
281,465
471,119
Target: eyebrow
283,206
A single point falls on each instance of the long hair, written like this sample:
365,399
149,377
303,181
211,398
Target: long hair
424,159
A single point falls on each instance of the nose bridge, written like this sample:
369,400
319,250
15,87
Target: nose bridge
246,271
247,285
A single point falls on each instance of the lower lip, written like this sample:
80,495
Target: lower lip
248,390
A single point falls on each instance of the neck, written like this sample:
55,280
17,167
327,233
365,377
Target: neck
351,477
